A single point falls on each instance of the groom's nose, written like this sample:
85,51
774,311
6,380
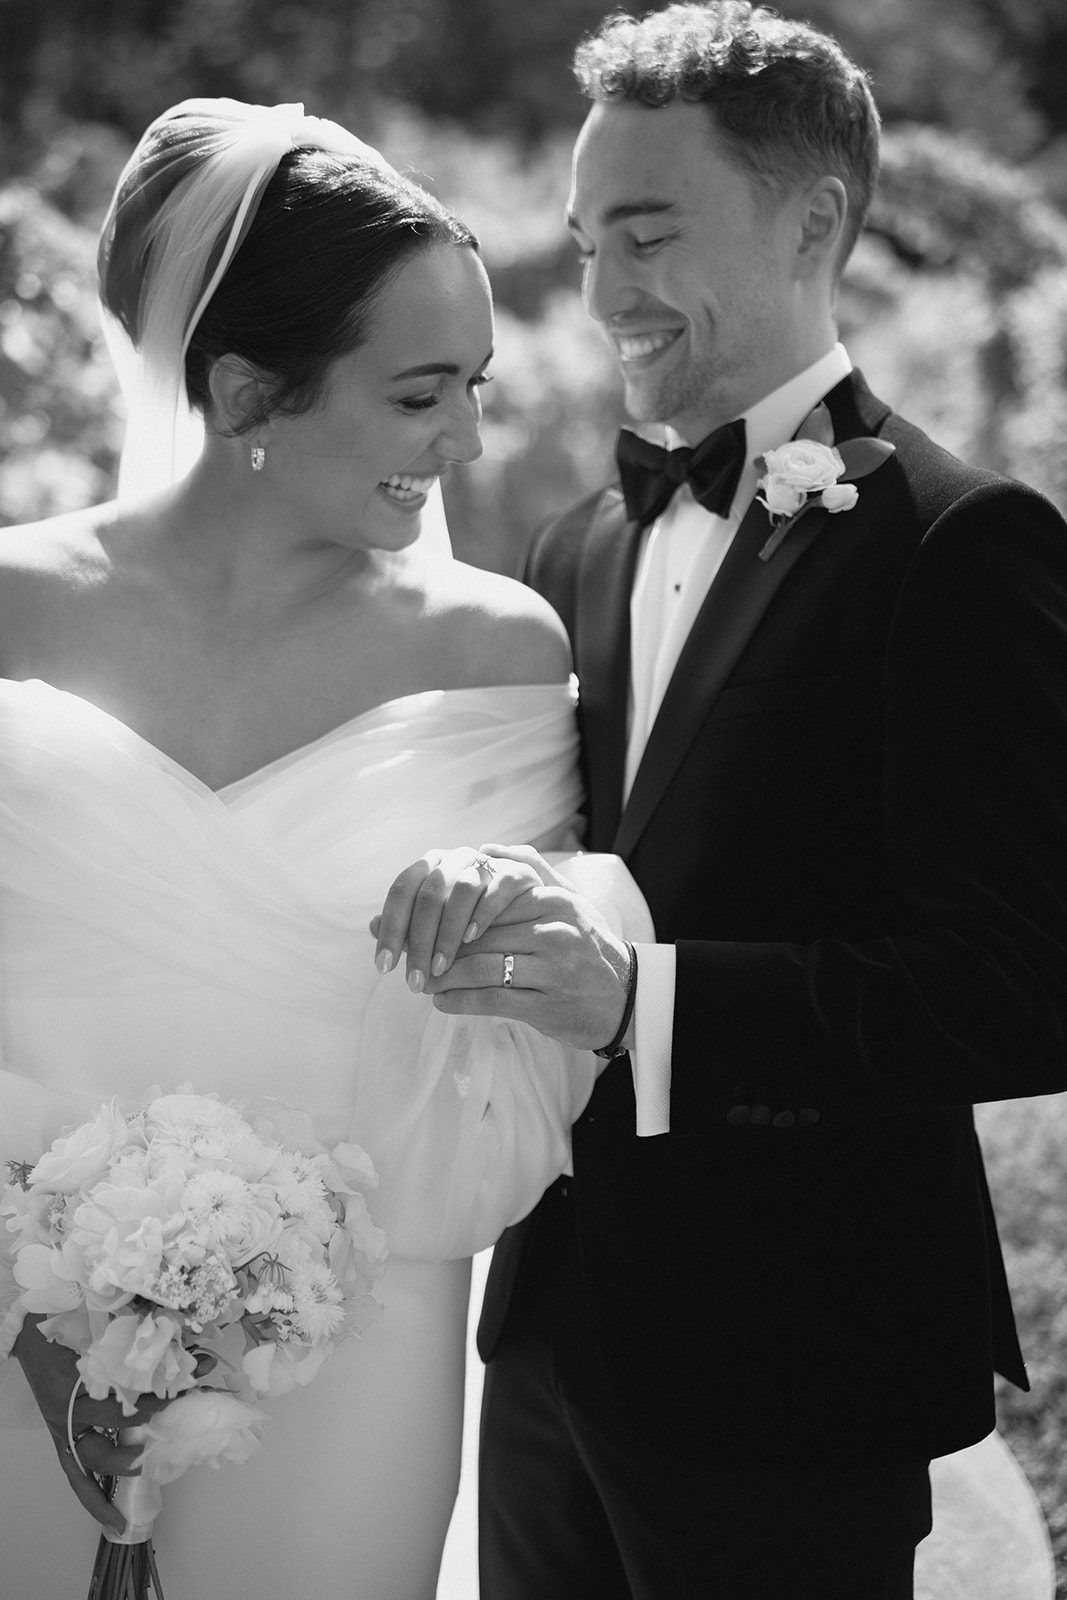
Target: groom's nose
608,288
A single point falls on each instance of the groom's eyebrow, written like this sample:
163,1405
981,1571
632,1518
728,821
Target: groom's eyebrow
623,211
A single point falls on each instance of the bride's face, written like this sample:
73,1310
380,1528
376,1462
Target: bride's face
397,412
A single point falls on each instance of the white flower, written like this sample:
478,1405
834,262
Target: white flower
137,1355
804,465
82,1157
202,1428
840,497
354,1165
48,1280
780,498
223,1211
318,1303
275,1369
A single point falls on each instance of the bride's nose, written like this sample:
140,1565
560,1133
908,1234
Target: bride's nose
461,435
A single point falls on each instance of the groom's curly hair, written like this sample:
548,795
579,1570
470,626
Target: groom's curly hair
786,102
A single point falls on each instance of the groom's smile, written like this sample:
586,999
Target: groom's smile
636,348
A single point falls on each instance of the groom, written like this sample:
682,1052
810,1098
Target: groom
830,748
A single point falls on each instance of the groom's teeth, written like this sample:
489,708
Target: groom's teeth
633,346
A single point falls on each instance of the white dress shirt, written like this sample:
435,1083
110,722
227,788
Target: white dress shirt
681,553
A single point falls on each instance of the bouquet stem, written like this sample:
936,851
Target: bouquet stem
125,1566
125,1572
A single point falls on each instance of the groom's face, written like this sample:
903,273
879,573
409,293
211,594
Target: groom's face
688,265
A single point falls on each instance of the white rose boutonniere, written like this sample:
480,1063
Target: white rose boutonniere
812,471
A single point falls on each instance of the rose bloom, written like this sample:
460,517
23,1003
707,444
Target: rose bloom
840,496
82,1157
202,1428
804,464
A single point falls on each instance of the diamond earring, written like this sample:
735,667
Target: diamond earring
259,456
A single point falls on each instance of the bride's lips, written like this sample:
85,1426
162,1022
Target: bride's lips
405,489
638,350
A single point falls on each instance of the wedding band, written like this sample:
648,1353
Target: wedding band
484,864
509,971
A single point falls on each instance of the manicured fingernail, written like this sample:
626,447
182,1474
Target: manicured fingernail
416,980
471,933
384,961
438,965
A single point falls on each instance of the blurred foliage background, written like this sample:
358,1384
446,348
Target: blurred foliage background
955,306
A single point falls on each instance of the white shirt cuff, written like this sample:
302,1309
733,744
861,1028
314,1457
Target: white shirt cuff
650,1059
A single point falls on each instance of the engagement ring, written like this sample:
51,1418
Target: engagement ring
509,971
484,864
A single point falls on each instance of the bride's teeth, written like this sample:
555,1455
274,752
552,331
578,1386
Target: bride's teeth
407,485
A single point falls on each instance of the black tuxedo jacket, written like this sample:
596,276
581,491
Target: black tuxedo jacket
851,819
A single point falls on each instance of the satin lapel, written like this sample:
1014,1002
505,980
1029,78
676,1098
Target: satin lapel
743,589
602,659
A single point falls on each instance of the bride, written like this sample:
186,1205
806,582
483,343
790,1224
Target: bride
233,704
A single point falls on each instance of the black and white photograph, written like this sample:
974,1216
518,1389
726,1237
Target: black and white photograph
533,800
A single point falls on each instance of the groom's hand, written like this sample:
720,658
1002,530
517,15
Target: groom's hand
569,973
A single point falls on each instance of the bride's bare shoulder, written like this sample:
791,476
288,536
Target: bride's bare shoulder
42,565
59,547
499,630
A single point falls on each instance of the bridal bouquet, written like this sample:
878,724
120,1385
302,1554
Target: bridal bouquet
152,1238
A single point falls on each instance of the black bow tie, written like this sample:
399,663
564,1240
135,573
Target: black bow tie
650,475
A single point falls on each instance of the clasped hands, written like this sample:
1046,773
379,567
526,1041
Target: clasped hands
459,914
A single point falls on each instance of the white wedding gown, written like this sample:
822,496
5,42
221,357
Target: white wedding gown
155,932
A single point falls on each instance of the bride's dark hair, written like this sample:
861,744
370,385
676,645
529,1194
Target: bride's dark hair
329,233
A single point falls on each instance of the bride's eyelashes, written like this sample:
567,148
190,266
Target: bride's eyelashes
424,402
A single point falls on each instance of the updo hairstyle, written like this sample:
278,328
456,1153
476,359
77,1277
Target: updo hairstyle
329,234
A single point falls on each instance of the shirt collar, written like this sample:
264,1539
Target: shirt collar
774,419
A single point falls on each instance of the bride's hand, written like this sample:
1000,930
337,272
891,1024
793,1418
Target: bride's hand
448,898
52,1373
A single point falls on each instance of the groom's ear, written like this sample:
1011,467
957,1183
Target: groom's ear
823,215
239,391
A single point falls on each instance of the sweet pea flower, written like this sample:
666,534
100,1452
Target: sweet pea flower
275,1369
48,1279
135,1356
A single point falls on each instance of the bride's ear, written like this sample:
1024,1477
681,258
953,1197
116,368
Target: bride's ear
239,392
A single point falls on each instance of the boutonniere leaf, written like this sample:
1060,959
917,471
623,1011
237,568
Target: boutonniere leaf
812,471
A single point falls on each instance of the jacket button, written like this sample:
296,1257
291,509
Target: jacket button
783,1119
738,1116
761,1115
807,1117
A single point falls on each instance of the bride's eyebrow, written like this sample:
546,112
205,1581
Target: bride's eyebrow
436,369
